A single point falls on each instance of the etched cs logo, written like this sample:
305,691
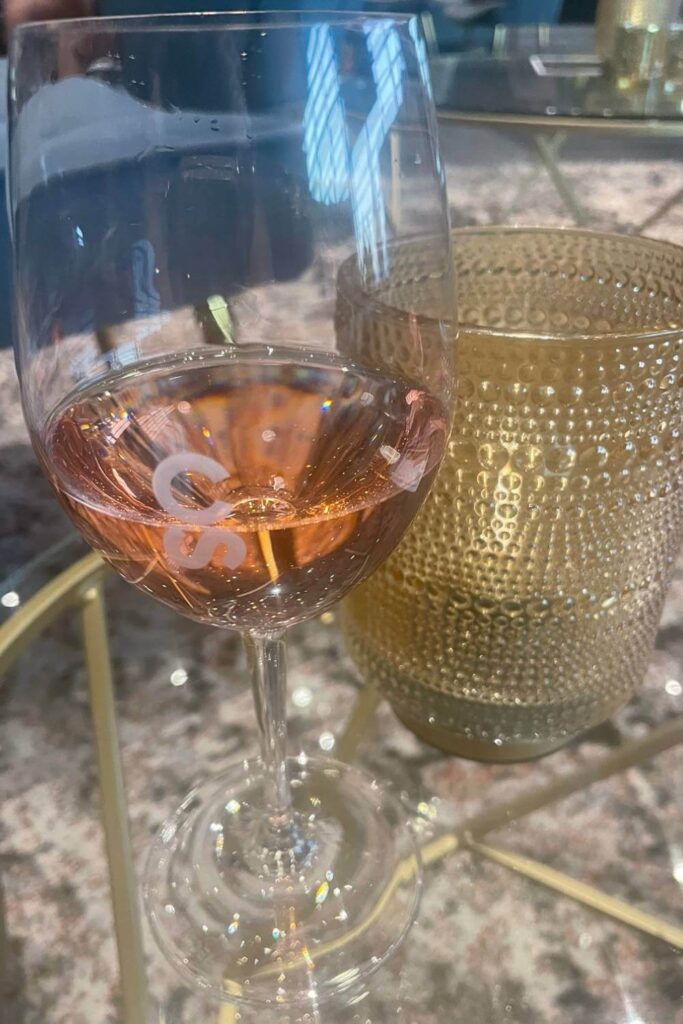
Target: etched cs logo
208,539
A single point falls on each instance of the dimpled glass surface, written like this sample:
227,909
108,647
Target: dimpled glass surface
521,607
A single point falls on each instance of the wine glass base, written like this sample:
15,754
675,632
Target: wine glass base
266,911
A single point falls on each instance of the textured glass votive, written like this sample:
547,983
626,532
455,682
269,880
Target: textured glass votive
521,608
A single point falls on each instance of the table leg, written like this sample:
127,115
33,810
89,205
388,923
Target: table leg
119,855
547,151
664,208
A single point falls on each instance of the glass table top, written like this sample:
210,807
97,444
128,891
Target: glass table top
552,889
559,74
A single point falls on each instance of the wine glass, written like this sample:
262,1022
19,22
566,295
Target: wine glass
234,328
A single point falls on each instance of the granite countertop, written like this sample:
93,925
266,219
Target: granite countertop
491,945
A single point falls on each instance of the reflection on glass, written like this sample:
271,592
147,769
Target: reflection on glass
337,168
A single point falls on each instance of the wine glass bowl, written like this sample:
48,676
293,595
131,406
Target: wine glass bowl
293,508
204,211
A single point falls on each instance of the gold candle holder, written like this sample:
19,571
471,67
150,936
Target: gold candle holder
521,608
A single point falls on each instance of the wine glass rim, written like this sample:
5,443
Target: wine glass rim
197,21
641,336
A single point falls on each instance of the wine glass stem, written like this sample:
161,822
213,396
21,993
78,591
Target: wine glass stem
267,657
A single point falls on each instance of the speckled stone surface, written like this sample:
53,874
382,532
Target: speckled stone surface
490,946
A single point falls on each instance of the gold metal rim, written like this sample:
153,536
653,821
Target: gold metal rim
67,590
548,123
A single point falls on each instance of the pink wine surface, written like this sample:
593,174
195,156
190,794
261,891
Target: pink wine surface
244,491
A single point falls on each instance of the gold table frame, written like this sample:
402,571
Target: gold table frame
80,588
548,135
